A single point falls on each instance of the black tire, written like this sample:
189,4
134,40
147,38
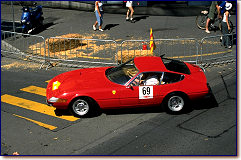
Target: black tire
201,21
82,107
24,30
175,103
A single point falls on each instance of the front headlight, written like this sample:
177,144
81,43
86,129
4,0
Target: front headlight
53,99
59,100
56,85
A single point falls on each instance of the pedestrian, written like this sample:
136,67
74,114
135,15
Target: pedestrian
217,7
99,15
225,27
211,14
130,11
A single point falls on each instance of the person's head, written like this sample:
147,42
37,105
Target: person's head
228,6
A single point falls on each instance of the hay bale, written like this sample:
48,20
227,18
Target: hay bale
129,54
64,43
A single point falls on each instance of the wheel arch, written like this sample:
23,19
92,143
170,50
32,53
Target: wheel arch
183,94
88,98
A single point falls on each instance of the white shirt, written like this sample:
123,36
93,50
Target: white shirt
151,81
100,5
224,17
129,3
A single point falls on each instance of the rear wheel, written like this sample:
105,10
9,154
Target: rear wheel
201,21
175,103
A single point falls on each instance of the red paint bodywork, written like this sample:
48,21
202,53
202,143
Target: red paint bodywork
93,83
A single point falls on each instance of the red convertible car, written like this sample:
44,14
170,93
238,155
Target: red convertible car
142,81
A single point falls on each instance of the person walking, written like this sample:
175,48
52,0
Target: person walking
211,14
225,27
130,11
217,7
99,15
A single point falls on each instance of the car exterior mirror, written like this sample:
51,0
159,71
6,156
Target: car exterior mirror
129,87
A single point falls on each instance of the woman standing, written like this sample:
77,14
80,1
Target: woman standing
130,9
99,15
226,27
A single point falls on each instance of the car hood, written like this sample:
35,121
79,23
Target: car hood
82,79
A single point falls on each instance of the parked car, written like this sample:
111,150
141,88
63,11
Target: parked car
85,91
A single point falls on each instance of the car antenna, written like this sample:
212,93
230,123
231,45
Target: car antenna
162,55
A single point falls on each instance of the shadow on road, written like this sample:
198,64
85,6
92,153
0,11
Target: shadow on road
136,19
109,26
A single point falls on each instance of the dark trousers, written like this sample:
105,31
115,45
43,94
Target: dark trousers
225,39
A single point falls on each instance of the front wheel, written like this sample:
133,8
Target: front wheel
80,107
201,21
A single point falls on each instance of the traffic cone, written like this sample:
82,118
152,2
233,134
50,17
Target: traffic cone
144,46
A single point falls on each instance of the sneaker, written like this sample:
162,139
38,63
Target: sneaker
207,31
127,19
101,30
94,28
229,47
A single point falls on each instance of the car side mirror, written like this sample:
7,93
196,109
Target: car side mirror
129,87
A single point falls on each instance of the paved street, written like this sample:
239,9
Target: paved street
210,129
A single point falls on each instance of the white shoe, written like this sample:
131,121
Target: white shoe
101,30
207,31
94,28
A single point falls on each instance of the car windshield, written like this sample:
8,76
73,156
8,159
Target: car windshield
123,73
176,66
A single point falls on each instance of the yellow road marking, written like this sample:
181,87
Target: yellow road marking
35,90
38,123
90,57
34,106
199,55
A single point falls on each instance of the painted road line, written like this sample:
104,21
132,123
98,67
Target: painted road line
38,123
34,106
35,90
199,55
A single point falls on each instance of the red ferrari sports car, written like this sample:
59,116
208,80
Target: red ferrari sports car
142,81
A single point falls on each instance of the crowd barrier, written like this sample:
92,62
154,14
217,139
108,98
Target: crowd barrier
77,51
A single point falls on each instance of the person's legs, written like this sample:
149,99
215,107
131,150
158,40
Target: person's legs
101,22
207,24
127,14
94,26
132,11
225,31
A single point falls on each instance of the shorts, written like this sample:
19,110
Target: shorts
212,10
128,4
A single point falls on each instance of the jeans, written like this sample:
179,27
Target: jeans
99,19
225,39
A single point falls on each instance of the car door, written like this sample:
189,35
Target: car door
170,82
136,93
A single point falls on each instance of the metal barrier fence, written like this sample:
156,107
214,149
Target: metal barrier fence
81,52
22,45
84,51
185,49
212,50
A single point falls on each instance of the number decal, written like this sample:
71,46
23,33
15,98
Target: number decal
145,92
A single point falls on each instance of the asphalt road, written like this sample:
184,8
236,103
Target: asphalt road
210,129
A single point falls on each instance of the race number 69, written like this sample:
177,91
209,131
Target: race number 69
145,92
